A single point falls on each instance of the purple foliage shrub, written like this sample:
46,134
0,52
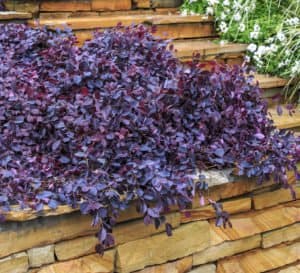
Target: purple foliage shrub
121,119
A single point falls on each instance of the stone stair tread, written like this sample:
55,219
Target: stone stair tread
285,121
11,15
111,21
186,48
267,81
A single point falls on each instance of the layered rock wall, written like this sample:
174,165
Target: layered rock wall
264,237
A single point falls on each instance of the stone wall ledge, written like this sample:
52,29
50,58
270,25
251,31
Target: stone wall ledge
222,185
14,15
66,243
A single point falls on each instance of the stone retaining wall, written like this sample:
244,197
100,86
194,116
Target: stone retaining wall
265,237
62,8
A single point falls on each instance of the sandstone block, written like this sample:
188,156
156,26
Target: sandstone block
278,236
75,248
206,212
166,3
208,268
59,5
291,269
251,223
41,255
261,260
42,231
123,233
134,230
12,15
31,6
112,5
179,266
17,263
226,249
160,248
273,198
89,264
142,3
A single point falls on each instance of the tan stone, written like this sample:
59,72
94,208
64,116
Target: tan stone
11,15
278,236
131,231
226,249
208,268
179,266
291,269
273,198
18,236
206,212
251,223
70,5
41,255
184,30
285,121
17,263
108,21
31,6
111,5
166,3
75,248
142,3
123,233
16,214
160,248
260,260
240,186
89,264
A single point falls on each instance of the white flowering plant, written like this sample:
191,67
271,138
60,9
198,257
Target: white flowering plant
270,27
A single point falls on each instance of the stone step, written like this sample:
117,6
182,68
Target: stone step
285,121
75,14
14,15
230,53
209,50
172,26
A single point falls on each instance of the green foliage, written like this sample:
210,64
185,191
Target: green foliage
270,27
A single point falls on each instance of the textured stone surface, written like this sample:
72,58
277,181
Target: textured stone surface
226,249
273,198
42,231
75,248
111,5
125,232
179,266
61,5
291,269
10,15
28,214
41,255
142,3
251,223
278,236
159,249
89,264
208,268
258,261
136,229
31,6
206,212
17,263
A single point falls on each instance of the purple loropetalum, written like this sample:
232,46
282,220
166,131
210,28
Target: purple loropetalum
121,119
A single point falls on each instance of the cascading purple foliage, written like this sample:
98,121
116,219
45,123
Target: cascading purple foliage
121,119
